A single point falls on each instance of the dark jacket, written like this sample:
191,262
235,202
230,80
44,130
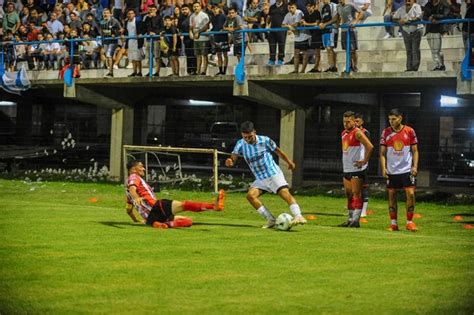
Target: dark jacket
438,12
469,27
153,24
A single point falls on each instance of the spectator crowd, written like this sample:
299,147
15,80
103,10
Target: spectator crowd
104,27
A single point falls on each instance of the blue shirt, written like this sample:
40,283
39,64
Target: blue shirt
258,156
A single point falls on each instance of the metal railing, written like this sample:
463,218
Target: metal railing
239,71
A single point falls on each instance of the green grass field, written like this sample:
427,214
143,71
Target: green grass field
62,253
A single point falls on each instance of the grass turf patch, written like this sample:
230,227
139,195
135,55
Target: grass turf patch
64,251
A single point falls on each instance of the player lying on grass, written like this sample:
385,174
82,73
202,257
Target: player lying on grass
256,151
160,213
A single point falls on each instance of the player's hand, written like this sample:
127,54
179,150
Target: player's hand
229,162
139,201
414,171
359,164
384,173
291,165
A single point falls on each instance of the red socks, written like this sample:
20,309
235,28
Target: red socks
356,203
181,222
197,206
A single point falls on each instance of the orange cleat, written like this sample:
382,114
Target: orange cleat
393,227
159,225
412,227
219,204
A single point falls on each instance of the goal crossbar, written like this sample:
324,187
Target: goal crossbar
150,149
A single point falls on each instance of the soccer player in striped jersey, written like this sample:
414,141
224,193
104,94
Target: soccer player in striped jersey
359,121
256,150
160,213
399,162
356,152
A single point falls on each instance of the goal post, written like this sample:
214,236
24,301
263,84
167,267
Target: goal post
130,150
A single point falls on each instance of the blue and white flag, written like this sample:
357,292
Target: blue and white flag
14,82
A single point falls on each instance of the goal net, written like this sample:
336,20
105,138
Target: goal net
166,164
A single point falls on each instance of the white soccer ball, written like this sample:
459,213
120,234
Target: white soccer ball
283,222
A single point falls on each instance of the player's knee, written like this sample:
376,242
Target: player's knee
251,196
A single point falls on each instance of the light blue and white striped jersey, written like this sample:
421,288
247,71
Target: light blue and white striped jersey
258,156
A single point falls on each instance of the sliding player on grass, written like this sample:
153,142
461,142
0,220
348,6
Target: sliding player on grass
256,151
160,213
356,152
399,162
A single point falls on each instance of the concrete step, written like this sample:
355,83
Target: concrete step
379,44
450,54
368,67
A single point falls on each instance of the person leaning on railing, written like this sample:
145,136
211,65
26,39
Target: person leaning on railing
410,12
468,28
435,11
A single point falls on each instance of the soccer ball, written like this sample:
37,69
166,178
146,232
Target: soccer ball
283,222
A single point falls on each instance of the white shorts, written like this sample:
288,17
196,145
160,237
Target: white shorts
271,184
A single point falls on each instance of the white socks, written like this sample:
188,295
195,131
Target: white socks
265,213
295,210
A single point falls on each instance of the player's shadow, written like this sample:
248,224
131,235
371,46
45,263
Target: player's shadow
326,214
226,224
121,225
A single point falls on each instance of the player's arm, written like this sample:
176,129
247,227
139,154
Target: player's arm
416,157
131,213
282,155
136,197
229,162
369,148
383,160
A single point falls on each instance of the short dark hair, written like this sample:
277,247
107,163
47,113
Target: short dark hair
349,113
395,112
152,6
167,17
359,115
247,127
132,163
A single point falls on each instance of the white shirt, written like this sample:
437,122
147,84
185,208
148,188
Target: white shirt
414,13
360,3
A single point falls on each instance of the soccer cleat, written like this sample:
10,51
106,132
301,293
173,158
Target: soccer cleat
393,227
345,224
354,224
270,224
219,203
411,227
298,220
159,225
